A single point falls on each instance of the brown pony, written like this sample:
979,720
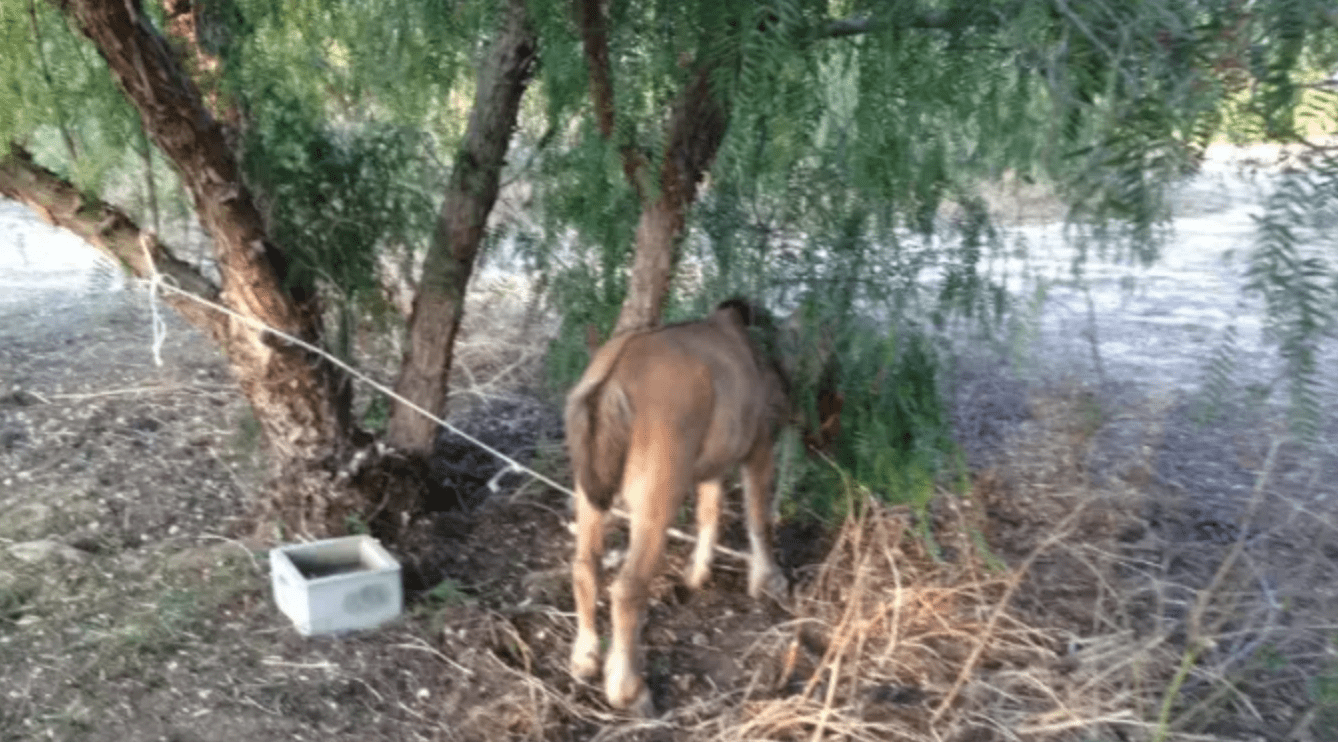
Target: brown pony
658,414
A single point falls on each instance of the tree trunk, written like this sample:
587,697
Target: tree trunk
470,196
652,266
301,402
697,126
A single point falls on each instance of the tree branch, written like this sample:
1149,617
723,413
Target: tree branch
471,192
302,405
176,119
595,40
108,229
186,25
696,127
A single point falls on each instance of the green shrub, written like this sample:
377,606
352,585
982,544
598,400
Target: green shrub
894,438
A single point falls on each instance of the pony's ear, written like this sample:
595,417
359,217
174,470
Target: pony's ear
746,313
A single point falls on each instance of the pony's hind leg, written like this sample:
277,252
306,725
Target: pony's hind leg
623,683
653,487
708,531
585,586
763,574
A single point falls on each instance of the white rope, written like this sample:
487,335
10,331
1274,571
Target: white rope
156,282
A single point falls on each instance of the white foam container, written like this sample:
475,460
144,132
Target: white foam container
339,584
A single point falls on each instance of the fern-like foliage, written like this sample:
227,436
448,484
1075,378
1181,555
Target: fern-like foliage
1218,376
389,61
1292,268
894,439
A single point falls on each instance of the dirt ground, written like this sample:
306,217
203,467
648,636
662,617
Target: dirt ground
1116,570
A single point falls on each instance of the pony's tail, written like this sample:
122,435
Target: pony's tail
598,422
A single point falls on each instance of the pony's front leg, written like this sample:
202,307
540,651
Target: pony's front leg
764,577
585,586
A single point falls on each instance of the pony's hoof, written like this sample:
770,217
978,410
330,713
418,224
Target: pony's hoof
697,577
625,688
770,583
585,658
632,697
642,707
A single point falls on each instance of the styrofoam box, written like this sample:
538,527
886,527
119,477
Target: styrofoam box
338,584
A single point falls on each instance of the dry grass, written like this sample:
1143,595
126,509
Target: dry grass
890,644
1063,628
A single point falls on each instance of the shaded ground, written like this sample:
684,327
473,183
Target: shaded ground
131,609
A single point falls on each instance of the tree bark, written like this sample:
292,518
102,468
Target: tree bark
300,402
188,25
697,126
470,195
